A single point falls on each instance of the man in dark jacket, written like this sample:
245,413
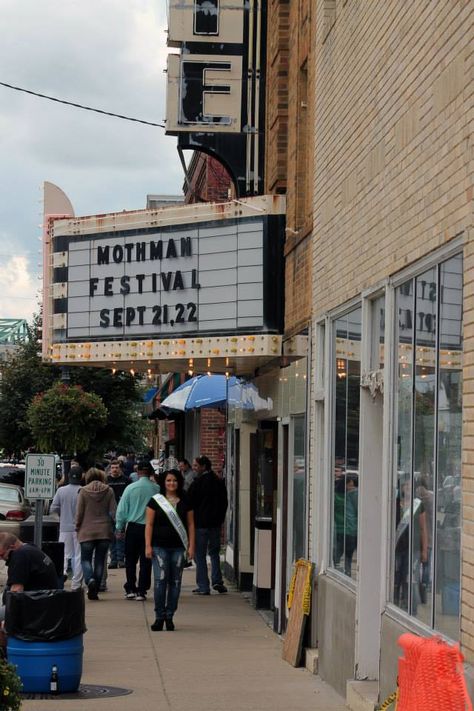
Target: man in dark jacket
117,481
28,567
208,499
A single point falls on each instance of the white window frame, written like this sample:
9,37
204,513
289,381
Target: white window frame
330,360
451,249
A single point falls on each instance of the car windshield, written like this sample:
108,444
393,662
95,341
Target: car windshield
7,494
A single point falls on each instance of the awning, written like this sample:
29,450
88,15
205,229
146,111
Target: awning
171,382
149,395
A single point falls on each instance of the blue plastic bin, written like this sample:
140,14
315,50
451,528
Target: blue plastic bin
34,662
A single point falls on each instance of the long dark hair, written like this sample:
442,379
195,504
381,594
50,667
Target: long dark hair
179,478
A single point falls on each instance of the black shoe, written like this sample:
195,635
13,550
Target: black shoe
188,564
220,588
92,590
169,625
113,566
196,591
158,625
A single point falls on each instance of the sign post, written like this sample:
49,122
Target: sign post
40,479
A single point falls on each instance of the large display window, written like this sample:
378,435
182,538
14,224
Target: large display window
428,420
346,408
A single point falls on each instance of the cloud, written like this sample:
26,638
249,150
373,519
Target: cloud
108,54
18,289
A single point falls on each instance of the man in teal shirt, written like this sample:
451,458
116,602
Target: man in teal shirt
130,522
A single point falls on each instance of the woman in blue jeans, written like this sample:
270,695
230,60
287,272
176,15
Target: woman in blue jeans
169,536
95,514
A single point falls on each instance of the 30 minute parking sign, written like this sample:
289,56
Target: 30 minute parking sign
40,476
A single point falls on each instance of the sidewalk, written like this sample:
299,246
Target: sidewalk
221,656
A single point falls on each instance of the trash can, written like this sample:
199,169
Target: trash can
45,628
35,660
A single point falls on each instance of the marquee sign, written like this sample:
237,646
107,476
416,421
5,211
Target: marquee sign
204,279
183,275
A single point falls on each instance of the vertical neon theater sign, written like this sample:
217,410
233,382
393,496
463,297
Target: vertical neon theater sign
215,98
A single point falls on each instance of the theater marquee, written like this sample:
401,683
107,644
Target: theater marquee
189,282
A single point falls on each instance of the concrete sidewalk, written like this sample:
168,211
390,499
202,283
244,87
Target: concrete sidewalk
221,656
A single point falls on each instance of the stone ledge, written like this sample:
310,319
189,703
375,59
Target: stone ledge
311,659
362,695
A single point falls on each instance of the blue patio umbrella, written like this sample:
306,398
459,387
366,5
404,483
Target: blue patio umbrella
200,391
215,391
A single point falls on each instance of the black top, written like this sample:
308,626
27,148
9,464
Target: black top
164,533
30,567
118,484
208,499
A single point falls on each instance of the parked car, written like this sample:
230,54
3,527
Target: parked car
12,474
14,508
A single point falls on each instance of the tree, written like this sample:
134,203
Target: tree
65,418
123,396
23,377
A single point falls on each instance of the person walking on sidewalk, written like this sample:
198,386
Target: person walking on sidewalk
187,472
208,499
94,524
65,505
117,481
169,536
130,523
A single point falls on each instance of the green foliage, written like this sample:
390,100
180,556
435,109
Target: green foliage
26,376
10,687
123,396
65,418
23,377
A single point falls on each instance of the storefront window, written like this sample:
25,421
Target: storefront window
299,488
428,453
230,482
265,474
347,334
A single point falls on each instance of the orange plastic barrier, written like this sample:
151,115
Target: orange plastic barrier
431,676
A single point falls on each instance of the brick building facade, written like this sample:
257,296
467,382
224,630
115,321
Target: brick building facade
207,180
393,215
289,138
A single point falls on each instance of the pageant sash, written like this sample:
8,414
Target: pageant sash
175,520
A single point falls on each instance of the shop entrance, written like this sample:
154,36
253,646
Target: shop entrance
263,487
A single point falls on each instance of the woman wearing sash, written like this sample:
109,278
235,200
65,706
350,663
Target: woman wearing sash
169,537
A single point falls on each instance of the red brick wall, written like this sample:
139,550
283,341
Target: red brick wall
212,437
209,180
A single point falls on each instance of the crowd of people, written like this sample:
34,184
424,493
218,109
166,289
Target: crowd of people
127,516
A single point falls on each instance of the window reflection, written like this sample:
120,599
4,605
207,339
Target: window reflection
299,488
346,442
429,425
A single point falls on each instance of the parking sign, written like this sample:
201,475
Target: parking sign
40,476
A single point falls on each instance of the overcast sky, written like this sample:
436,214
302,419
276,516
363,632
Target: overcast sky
108,54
